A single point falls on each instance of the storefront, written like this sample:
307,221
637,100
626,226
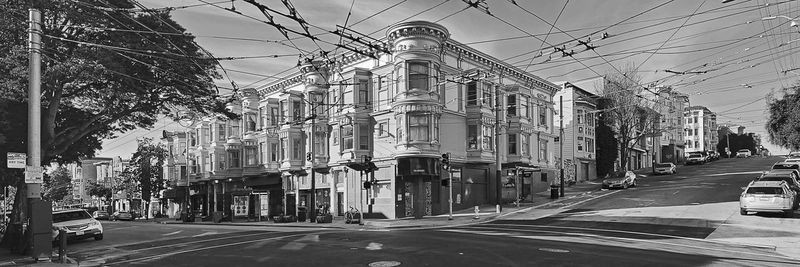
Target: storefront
266,199
416,187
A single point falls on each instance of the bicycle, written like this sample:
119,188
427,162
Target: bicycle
352,216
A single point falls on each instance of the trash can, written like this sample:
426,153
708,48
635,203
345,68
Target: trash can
553,191
302,214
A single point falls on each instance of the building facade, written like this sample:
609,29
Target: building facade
671,105
580,108
700,129
399,111
86,172
171,201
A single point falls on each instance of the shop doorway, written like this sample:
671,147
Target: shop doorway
416,194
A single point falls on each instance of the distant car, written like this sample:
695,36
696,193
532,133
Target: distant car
743,153
101,215
794,155
792,160
621,180
695,158
768,196
77,223
666,168
786,165
122,216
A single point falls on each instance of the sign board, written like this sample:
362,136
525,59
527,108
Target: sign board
34,175
264,200
16,160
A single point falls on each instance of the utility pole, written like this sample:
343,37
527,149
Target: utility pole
313,156
498,163
40,212
561,142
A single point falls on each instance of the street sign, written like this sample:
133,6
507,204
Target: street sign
16,160
33,175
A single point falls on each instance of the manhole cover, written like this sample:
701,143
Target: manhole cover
384,264
554,250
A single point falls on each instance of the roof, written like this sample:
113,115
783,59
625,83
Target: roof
767,183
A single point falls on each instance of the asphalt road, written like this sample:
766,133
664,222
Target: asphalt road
662,222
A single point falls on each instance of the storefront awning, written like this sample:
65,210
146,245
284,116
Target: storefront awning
263,180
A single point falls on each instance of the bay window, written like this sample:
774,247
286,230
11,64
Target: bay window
297,110
220,132
487,95
347,136
543,116
284,146
363,93
472,136
418,73
250,155
488,137
512,144
418,128
523,107
511,106
363,136
234,159
472,93
297,148
273,152
543,150
526,147
319,143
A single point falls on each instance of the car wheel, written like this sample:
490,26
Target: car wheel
98,237
633,184
742,211
625,186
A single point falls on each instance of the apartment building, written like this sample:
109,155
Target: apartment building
86,172
700,129
580,108
400,111
671,105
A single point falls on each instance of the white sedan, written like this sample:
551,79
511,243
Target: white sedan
666,168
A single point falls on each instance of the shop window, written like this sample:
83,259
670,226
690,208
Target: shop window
418,126
418,74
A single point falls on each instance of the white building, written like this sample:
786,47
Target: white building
700,129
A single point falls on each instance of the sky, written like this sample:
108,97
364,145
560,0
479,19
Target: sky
728,57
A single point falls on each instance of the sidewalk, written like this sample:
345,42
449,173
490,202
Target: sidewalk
487,212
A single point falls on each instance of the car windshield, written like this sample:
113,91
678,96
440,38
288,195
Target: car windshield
785,166
765,190
663,165
773,178
697,155
70,216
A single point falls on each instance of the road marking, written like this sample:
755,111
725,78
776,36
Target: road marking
554,250
567,206
163,255
374,246
125,227
206,233
173,233
631,239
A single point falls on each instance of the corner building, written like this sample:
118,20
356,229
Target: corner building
403,110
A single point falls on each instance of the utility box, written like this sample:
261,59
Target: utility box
41,228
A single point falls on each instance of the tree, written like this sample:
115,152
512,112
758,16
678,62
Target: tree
783,125
57,185
106,69
631,116
146,165
607,145
100,191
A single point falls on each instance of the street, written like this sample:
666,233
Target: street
687,219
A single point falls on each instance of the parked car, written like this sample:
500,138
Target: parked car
666,168
743,153
714,155
792,160
695,158
789,178
77,223
768,196
100,215
621,180
786,165
122,216
794,155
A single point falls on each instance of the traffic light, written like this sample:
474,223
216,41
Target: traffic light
446,160
309,156
445,182
367,185
557,139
